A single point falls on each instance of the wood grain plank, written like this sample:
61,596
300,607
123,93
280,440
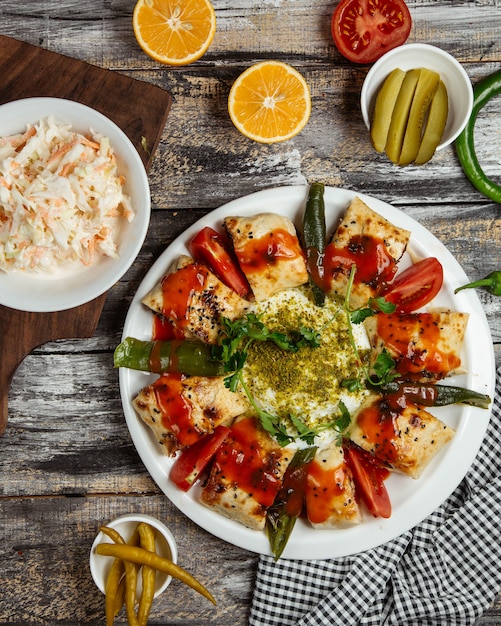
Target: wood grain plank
21,332
247,30
82,442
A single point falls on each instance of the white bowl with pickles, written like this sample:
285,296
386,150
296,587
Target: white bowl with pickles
415,100
132,561
165,546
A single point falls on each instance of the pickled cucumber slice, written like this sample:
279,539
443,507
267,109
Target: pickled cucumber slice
400,115
383,109
425,90
435,126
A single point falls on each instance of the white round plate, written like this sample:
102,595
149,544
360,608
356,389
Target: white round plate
412,500
43,292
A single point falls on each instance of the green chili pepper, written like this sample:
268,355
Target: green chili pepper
149,575
465,147
187,357
314,237
427,394
139,556
492,283
283,513
116,589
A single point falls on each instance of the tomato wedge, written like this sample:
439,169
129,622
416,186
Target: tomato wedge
214,250
363,30
164,329
416,286
193,460
368,476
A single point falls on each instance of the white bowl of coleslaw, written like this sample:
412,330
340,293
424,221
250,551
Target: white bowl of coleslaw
74,204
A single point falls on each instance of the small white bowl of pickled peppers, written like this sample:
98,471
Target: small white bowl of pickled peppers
165,546
415,99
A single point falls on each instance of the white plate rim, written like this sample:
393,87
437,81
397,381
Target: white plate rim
412,500
42,293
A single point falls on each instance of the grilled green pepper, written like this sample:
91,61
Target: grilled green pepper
186,357
288,505
492,283
427,394
314,237
465,146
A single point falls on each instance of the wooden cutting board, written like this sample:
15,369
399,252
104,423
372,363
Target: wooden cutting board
139,109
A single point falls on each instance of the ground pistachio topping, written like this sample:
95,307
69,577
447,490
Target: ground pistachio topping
306,383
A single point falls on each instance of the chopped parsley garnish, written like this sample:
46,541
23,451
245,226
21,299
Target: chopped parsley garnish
233,351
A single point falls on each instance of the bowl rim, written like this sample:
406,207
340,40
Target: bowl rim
98,573
40,292
366,98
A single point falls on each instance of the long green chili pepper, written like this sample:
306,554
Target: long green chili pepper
314,238
116,586
149,575
140,556
283,513
114,591
492,283
427,394
465,147
130,592
187,357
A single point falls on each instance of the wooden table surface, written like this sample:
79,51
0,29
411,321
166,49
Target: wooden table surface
67,460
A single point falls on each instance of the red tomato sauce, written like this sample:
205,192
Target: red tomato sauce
176,410
378,423
177,289
322,488
276,246
295,490
375,265
414,338
243,461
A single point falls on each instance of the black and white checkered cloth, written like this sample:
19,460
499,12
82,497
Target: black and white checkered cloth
444,572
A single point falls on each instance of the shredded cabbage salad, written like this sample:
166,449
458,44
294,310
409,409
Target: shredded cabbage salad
61,198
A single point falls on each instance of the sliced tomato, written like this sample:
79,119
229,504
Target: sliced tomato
214,250
416,286
364,30
368,476
193,460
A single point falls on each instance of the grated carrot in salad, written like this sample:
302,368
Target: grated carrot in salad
61,198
